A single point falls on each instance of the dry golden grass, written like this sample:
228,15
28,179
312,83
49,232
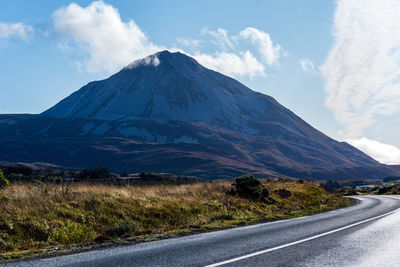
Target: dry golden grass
35,216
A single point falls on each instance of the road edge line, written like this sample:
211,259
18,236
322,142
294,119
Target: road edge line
298,241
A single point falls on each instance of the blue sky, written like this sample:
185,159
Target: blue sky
312,56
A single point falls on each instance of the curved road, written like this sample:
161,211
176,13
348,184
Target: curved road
366,234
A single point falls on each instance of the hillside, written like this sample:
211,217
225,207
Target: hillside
93,214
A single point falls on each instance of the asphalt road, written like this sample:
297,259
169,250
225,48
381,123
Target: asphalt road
367,234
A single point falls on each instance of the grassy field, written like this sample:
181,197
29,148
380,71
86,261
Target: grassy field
36,217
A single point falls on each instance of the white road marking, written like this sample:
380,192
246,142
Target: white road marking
298,242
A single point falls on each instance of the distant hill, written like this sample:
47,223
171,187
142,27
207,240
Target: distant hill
167,113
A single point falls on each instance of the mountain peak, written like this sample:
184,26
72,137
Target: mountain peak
151,60
167,55
163,85
162,56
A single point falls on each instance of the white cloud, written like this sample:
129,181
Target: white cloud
15,30
221,38
383,153
362,70
108,43
99,31
231,60
232,64
269,52
307,65
190,43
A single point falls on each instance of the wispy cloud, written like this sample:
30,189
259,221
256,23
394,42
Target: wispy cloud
220,38
307,65
17,30
190,43
383,153
269,51
362,70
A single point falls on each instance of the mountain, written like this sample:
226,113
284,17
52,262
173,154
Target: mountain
167,113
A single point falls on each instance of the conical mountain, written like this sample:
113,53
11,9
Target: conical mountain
168,113
173,86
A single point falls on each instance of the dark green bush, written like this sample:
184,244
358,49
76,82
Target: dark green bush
121,229
25,171
350,192
330,186
14,177
385,190
29,229
250,188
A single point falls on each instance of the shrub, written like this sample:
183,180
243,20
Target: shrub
331,186
72,233
25,171
13,177
3,181
30,229
283,193
250,188
121,229
384,190
350,192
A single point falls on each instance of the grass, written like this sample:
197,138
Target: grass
34,217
